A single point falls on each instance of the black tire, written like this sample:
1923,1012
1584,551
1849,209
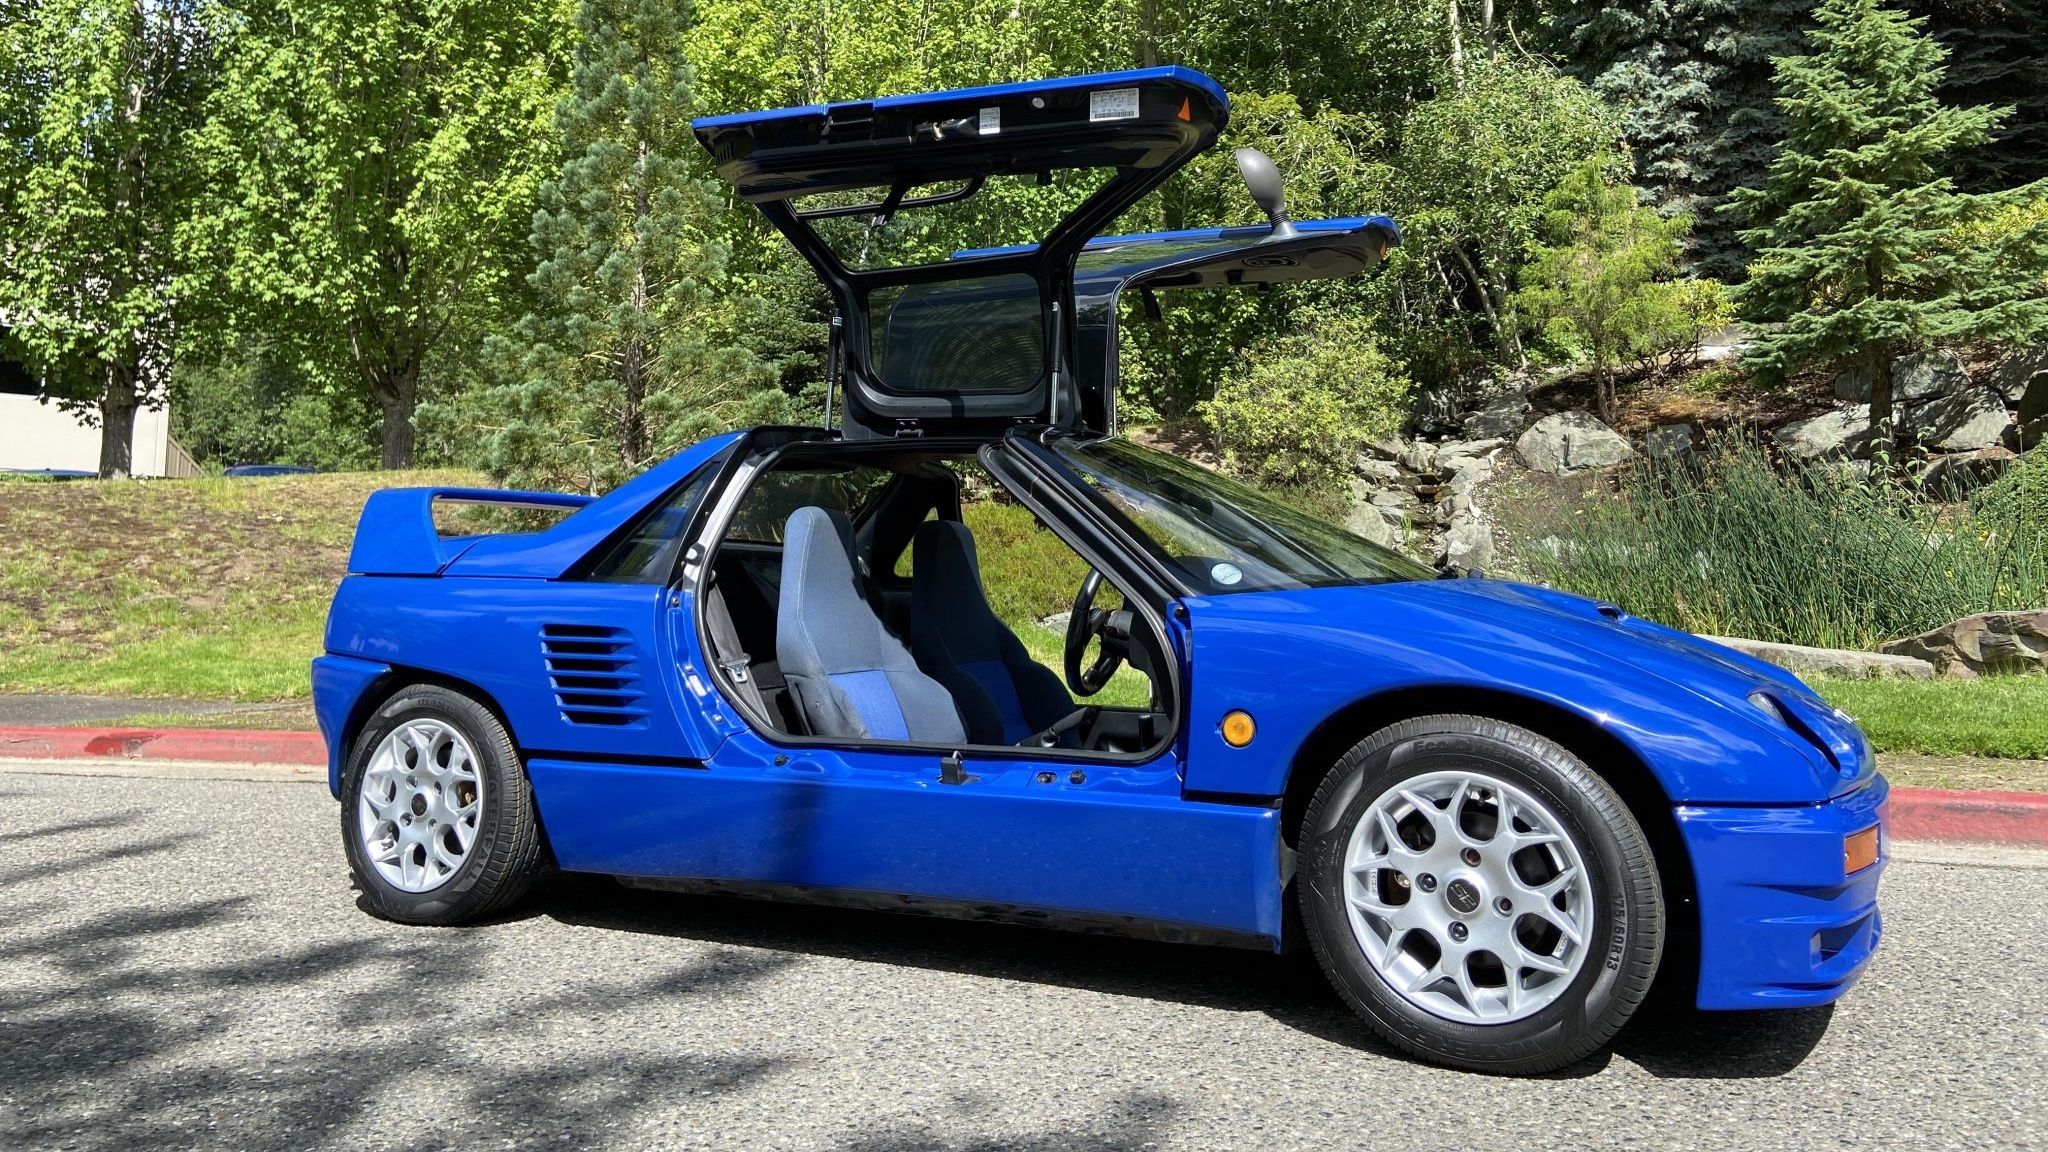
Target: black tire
506,853
1628,930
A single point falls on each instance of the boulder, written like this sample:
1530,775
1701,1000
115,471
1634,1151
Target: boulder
1987,643
1964,420
1916,377
1370,522
2012,374
2033,414
1376,471
1954,476
1570,441
1837,663
1843,431
1468,542
1502,417
1668,441
1419,456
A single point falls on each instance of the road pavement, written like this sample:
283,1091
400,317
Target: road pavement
183,965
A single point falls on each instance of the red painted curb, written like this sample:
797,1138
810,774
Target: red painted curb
1974,817
237,747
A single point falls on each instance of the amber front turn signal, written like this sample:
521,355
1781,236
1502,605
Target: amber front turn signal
1859,850
1238,729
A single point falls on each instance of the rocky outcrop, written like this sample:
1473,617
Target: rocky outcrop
1668,441
1834,663
1963,421
1569,441
1916,377
1987,643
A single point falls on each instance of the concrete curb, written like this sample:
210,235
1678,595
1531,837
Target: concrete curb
185,744
1921,814
1969,817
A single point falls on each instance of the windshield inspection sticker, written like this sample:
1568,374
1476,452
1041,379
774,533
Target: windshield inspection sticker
991,121
1113,104
1226,574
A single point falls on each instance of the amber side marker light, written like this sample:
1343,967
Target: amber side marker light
1238,729
1859,850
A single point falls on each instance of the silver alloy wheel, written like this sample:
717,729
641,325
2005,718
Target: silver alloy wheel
422,797
1468,897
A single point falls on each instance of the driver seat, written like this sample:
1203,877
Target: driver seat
1002,694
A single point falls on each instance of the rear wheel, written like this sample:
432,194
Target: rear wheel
436,816
1479,895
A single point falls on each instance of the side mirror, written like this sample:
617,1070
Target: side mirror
1262,180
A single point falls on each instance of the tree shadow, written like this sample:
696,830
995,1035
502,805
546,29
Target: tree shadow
98,823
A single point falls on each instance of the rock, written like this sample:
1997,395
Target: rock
1569,441
1915,377
1844,431
1987,643
1055,623
1482,450
2012,374
1468,542
1366,521
1953,477
1840,663
1499,418
2033,414
1967,419
1668,441
1419,457
1399,498
1375,470
1387,449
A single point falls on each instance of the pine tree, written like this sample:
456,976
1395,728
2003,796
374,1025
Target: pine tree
1861,234
1693,81
631,350
1995,56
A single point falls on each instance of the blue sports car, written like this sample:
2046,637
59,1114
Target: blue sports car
773,666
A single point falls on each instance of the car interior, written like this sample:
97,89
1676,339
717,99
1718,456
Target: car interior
846,600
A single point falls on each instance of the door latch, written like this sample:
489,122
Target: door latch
951,771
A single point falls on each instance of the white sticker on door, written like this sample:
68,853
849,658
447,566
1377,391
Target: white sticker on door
1113,104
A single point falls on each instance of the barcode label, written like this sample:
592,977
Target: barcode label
1113,104
991,121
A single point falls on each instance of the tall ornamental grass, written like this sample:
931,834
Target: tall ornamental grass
1729,542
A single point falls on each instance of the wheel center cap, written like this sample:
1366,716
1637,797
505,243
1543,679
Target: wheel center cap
1463,896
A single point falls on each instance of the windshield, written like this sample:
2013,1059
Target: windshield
1224,536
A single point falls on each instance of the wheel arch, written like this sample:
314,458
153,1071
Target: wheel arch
401,677
1608,755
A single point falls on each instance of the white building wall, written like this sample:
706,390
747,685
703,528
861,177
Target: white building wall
35,435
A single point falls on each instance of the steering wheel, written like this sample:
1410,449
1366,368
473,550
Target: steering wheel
1087,622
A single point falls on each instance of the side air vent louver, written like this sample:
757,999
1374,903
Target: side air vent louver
595,674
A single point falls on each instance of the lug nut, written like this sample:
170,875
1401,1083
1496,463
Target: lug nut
1426,882
1505,905
1400,879
1459,932
1471,857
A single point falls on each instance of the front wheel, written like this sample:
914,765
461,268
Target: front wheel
435,813
1479,896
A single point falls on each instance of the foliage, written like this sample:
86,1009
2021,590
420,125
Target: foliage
1855,223
630,352
1995,57
2016,504
1600,275
370,168
94,98
1991,716
247,409
1692,80
1297,407
1730,544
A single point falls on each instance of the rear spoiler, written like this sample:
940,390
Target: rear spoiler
396,535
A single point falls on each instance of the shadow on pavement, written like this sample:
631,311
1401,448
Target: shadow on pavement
1668,1042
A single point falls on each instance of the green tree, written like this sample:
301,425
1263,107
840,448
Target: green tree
1601,276
1858,227
631,350
372,165
94,95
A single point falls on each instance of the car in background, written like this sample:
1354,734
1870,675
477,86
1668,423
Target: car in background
783,663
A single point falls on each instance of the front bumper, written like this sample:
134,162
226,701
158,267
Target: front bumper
1782,924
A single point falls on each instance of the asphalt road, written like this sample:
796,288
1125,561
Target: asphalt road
182,964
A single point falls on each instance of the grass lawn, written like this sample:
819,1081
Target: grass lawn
201,589
2004,716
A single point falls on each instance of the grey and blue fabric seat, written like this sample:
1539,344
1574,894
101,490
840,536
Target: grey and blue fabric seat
848,675
1002,693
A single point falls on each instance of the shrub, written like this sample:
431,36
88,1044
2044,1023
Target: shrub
1731,544
2017,502
1295,409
